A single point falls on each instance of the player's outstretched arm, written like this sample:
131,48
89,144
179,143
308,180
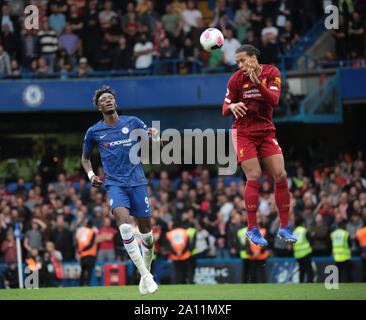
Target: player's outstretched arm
86,163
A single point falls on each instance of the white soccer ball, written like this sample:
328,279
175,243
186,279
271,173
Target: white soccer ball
211,39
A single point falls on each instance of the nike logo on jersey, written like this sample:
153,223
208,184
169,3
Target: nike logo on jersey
101,137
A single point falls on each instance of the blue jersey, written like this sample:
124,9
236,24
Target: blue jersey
114,144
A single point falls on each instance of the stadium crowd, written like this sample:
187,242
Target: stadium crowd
81,36
50,214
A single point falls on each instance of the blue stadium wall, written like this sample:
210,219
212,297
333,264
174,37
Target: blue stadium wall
164,98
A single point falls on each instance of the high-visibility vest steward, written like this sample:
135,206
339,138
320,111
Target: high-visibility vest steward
57,265
361,237
242,241
178,239
254,248
191,234
302,246
84,238
341,250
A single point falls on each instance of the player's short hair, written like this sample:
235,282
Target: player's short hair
249,49
100,92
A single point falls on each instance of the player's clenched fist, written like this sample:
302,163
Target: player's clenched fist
238,109
96,182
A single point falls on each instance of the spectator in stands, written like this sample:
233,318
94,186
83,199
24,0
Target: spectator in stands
31,200
92,33
9,41
57,19
287,37
251,38
242,27
43,68
48,44
228,49
167,52
62,5
131,28
63,62
6,18
283,13
309,13
150,17
269,51
223,13
5,67
257,17
356,34
83,68
170,21
232,233
106,15
75,21
105,239
190,16
270,31
8,246
320,234
10,275
122,55
340,35
352,227
71,43
20,189
62,238
33,237
243,11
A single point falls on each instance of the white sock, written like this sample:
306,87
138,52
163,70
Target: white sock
132,248
147,246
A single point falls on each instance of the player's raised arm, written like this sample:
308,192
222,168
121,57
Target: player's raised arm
270,92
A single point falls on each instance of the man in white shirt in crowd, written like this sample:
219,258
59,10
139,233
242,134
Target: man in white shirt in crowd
270,31
142,51
229,49
190,16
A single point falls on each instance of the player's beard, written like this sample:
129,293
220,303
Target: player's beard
110,111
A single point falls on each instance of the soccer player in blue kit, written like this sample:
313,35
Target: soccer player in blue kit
125,179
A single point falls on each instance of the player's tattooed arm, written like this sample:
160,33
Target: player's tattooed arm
85,161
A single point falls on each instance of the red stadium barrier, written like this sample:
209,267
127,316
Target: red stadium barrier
114,274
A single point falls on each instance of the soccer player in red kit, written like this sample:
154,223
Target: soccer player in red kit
252,93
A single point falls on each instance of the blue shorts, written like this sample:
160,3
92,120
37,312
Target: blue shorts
134,198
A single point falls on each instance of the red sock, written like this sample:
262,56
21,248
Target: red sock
282,198
251,202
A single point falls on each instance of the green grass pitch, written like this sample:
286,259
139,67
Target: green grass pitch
313,291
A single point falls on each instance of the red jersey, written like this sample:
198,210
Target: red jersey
259,99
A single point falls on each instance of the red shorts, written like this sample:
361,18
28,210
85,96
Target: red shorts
255,144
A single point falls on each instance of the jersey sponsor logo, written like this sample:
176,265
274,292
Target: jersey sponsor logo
116,143
125,130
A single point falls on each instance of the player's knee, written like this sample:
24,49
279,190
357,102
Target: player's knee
125,228
281,176
254,175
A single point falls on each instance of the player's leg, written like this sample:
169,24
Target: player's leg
140,209
253,172
276,166
147,240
